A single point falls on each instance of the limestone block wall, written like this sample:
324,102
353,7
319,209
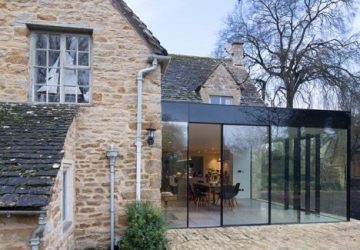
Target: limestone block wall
118,52
221,83
16,230
55,237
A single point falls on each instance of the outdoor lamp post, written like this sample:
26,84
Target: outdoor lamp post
151,131
112,153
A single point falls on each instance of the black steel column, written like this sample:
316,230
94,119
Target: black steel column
297,174
307,173
317,174
286,174
221,174
269,174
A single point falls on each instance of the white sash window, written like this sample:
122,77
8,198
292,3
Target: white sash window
61,68
218,99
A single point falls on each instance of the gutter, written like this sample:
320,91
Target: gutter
154,59
38,232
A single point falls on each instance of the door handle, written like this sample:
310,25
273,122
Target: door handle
240,171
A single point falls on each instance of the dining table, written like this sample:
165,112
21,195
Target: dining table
212,188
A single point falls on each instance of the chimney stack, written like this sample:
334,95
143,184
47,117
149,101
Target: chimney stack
237,53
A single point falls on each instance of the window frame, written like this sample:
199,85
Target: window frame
62,66
67,195
222,100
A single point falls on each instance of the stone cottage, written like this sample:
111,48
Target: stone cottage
68,90
81,80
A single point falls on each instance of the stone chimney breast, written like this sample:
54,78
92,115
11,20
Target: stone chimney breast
237,53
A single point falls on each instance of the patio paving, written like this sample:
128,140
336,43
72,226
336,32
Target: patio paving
342,235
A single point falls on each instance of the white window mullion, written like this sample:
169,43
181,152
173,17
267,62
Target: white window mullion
47,67
32,65
61,66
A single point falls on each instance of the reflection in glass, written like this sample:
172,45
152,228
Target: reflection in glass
54,41
41,41
40,58
174,173
204,175
71,43
308,175
245,175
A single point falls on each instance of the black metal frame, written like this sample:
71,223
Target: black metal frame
263,116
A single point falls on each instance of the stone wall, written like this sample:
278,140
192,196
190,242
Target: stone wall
55,236
118,53
16,230
221,83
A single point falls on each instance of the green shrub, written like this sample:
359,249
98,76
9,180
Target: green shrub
146,228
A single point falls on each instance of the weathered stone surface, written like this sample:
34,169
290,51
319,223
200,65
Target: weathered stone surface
332,236
16,230
118,53
220,81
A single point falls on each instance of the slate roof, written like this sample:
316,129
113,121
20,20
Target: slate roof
31,142
140,27
186,74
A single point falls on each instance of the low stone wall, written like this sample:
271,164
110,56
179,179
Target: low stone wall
18,231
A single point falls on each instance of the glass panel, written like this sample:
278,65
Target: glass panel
174,173
308,175
83,44
40,58
245,175
204,175
53,76
54,41
40,96
41,41
84,59
40,75
356,164
71,43
70,94
283,196
54,59
328,198
227,100
84,76
53,94
70,77
215,100
70,58
84,95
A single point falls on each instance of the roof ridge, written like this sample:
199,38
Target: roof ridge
139,26
195,56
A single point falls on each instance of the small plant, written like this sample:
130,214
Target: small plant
146,228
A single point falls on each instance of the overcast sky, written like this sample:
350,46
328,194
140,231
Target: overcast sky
188,27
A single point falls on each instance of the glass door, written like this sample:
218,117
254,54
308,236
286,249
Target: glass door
204,182
245,175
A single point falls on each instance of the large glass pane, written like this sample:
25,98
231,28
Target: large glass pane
325,199
308,175
283,189
245,175
174,173
204,175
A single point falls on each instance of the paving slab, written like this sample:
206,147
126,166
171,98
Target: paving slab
329,236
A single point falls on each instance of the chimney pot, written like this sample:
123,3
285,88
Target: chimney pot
237,53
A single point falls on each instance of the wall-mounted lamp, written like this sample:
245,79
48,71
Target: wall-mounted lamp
151,131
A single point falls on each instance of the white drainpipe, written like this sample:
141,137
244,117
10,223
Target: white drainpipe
140,78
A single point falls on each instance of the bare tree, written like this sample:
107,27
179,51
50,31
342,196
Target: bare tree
294,46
